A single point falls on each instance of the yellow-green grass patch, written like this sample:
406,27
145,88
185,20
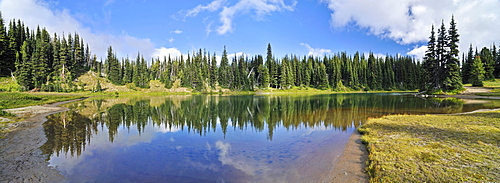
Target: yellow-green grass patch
434,148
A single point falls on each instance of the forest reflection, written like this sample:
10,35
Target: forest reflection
69,132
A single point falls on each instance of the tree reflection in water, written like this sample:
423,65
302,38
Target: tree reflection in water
69,132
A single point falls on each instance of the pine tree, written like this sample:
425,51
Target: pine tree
128,71
467,66
489,63
441,56
213,71
453,79
263,77
273,67
24,67
136,76
40,58
224,70
322,76
5,59
13,49
114,68
144,74
496,56
477,72
372,77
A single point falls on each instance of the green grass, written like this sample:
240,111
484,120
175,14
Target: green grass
8,84
493,84
434,148
16,99
495,93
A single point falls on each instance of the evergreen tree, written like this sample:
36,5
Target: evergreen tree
24,67
40,59
489,63
213,71
144,74
453,79
128,71
224,70
441,56
467,66
496,55
372,77
273,67
5,57
322,76
114,68
477,72
263,76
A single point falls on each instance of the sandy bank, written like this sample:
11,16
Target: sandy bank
21,160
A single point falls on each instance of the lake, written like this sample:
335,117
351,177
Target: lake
212,138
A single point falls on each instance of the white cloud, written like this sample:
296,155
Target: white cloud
108,2
409,22
316,52
230,57
35,12
171,40
376,55
213,6
257,8
161,52
176,31
418,52
226,159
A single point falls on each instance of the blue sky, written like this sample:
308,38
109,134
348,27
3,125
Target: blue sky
306,27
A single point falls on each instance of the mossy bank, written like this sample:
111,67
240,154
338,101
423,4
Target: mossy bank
434,148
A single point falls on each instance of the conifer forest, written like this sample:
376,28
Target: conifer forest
39,60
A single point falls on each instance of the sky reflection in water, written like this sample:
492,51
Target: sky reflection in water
216,138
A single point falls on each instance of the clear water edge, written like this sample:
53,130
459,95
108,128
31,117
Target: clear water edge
217,139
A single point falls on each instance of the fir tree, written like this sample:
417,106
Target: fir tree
497,62
496,56
489,63
467,66
441,56
213,71
24,67
114,68
477,72
5,57
453,79
224,70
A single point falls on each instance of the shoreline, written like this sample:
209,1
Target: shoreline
351,164
349,167
31,115
21,160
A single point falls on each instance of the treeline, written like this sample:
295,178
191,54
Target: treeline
43,62
40,61
479,66
201,71
442,70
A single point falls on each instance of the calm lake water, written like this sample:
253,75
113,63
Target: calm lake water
218,138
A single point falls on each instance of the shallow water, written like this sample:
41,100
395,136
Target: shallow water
218,138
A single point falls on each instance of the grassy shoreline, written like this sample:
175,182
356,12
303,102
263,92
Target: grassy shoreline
434,148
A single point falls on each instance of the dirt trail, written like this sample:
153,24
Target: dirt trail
474,90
